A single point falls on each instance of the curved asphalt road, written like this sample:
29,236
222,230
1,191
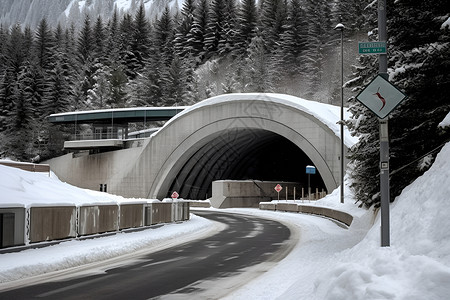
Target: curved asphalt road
181,272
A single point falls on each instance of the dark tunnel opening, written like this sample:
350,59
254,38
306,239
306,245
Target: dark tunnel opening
241,154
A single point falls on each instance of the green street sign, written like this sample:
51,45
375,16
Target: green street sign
372,47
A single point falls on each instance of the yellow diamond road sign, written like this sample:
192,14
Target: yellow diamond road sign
381,97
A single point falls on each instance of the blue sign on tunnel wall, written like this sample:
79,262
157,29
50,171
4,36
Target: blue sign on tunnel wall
310,170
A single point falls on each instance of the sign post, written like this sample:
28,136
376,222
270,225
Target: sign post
278,188
381,97
310,170
384,136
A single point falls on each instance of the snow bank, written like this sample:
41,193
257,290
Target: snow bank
31,262
417,265
24,189
445,122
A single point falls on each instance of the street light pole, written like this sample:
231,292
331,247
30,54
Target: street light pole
341,27
384,136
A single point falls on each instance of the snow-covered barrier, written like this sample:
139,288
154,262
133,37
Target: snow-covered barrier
47,223
36,207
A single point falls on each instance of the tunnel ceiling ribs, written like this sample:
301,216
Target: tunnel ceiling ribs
230,155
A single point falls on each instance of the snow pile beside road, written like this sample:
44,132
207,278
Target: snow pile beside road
417,265
24,189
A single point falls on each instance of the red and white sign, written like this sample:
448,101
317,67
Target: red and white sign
278,188
175,195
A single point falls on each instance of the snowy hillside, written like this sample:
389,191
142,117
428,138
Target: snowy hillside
28,12
329,262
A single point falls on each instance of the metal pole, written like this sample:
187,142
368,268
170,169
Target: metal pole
384,136
342,115
341,28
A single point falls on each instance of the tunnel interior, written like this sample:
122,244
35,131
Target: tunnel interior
240,154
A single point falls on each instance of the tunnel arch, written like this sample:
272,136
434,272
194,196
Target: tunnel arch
242,154
194,147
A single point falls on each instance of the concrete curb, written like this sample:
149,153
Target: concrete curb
337,215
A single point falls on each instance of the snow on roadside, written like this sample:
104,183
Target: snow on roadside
31,262
417,265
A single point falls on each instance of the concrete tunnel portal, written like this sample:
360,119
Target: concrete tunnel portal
265,137
243,154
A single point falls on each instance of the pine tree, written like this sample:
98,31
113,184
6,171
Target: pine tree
4,36
259,72
226,42
292,46
21,117
85,59
273,15
196,36
140,45
420,60
183,44
215,27
99,37
43,45
319,32
118,81
247,19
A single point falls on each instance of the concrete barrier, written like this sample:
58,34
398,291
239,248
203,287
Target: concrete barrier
267,206
98,219
180,211
52,223
60,222
337,215
293,207
12,226
205,204
131,216
247,193
161,212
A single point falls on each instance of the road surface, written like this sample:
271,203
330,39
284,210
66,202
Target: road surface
202,269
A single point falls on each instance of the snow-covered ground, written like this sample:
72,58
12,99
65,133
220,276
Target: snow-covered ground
328,262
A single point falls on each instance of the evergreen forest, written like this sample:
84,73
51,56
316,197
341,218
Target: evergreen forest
211,47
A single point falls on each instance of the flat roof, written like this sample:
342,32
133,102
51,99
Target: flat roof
117,115
93,144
